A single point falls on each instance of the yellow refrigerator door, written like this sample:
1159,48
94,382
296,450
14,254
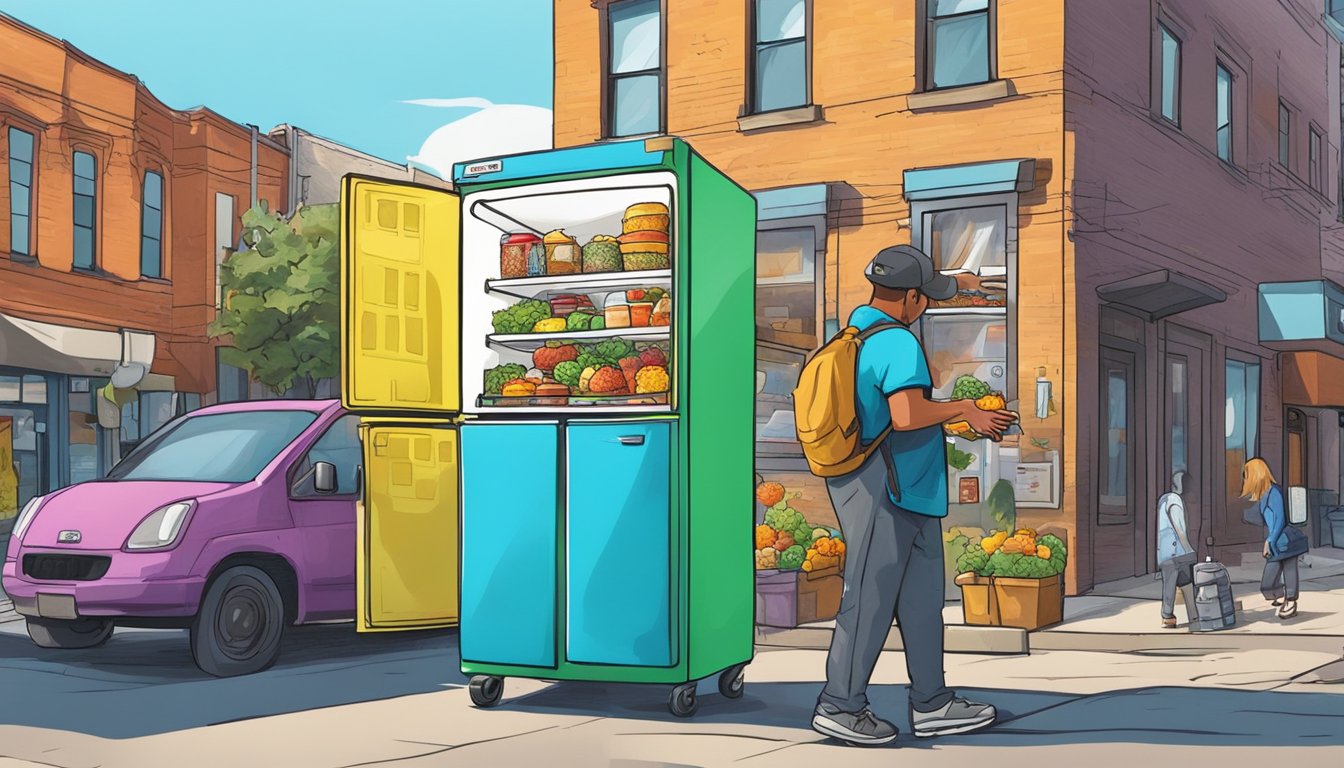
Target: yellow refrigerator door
399,298
406,571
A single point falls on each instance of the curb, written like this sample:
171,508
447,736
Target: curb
1005,641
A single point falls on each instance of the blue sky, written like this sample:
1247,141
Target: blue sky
338,68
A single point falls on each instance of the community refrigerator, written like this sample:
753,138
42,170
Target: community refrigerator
574,330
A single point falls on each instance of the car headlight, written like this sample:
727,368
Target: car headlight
26,516
161,528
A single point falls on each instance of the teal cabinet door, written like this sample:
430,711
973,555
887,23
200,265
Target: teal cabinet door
618,541
510,523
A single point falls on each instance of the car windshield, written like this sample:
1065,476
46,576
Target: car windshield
214,448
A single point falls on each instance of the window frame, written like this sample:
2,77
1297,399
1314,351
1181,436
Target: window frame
75,152
755,47
1285,135
1252,417
1315,164
920,217
300,470
34,137
1165,30
610,79
926,50
1221,66
818,225
163,227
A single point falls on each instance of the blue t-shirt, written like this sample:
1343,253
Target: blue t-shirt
890,361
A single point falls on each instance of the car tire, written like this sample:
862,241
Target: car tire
241,620
69,633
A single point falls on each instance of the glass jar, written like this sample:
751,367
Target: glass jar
617,311
563,256
515,251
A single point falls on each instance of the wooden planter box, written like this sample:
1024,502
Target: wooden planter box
1003,602
791,598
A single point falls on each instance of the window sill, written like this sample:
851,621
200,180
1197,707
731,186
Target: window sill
779,118
965,95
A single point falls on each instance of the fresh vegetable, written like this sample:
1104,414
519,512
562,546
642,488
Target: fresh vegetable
521,317
652,378
655,356
1022,555
607,381
767,558
578,321
969,388
586,378
769,494
784,541
792,558
549,325
992,402
765,536
568,373
653,295
497,377
613,349
554,353
819,534
784,518
599,323
519,388
957,458
634,294
629,367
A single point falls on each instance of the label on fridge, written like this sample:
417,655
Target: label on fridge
477,169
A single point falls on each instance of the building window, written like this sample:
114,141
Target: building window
787,295
1223,123
20,191
780,72
634,68
86,207
959,38
1314,160
1241,420
1170,81
1285,133
151,226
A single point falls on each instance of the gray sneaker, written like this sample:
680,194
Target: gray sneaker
861,728
957,716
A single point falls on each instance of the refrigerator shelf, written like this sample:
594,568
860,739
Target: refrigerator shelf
577,402
528,342
596,282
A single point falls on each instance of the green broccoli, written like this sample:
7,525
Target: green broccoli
973,560
589,360
969,388
497,377
521,317
614,349
792,558
599,323
578,321
568,373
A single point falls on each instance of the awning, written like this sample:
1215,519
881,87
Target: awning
1312,379
791,202
1160,294
125,356
971,179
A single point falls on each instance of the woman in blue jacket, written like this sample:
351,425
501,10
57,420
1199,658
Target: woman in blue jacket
1279,583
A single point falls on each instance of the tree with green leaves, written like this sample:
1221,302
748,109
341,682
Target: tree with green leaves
281,309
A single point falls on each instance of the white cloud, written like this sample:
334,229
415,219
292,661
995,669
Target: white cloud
491,131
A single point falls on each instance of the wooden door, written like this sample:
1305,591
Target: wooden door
1115,555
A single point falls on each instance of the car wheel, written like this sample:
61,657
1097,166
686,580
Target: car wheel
69,633
238,628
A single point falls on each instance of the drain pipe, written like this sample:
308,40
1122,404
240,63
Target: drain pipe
252,175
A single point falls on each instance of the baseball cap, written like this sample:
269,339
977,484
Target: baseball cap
905,267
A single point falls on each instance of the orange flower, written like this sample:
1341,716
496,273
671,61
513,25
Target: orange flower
770,494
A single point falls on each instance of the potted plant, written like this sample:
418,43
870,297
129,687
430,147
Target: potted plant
1013,579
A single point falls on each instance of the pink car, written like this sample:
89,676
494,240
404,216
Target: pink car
234,521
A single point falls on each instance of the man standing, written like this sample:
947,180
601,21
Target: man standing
1175,557
890,511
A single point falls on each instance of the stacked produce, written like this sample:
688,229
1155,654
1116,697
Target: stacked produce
564,368
971,388
566,313
1022,554
602,254
644,238
788,542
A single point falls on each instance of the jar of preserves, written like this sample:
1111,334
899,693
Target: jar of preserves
514,251
563,256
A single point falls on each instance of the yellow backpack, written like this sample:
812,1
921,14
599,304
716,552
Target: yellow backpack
825,405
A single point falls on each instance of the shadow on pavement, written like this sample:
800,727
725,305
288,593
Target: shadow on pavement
144,682
1166,715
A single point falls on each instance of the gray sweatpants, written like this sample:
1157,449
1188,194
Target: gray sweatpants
893,567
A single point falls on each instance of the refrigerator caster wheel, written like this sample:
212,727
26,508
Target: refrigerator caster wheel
486,690
683,702
732,681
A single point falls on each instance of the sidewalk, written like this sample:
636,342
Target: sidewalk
1123,616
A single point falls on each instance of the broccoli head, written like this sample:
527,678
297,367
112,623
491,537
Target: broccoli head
495,378
969,388
614,349
792,558
521,317
568,373
578,321
973,560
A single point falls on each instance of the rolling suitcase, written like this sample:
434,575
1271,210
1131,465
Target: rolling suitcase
1214,607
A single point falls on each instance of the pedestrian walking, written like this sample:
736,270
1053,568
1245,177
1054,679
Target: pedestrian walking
1175,557
1283,542
873,431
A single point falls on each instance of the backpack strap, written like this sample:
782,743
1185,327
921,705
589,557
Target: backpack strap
879,443
878,328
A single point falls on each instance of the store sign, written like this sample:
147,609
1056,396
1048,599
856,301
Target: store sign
479,169
1034,484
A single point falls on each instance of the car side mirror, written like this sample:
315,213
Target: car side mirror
324,477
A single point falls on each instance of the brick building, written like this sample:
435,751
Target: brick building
1124,165
115,208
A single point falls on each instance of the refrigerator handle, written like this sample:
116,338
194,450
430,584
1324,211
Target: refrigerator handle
631,439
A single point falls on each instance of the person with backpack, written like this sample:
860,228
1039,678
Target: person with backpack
1175,557
868,425
1284,543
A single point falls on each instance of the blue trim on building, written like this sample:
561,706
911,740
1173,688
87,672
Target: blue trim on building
1301,311
789,202
969,180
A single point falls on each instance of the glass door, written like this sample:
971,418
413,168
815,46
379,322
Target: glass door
1119,437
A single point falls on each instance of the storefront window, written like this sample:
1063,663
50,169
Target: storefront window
1241,420
786,283
83,454
966,345
1179,414
10,389
969,239
35,390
